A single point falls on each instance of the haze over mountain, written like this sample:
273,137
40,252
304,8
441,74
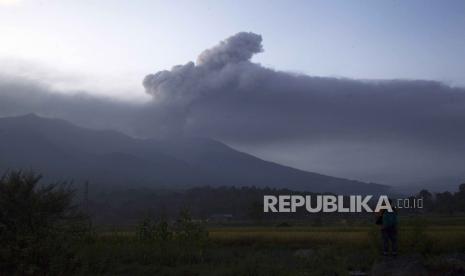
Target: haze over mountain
398,132
107,158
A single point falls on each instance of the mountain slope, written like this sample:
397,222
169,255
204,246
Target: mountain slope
61,150
247,170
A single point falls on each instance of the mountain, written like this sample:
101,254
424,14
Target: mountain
61,150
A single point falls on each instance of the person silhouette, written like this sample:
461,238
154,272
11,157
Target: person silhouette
389,222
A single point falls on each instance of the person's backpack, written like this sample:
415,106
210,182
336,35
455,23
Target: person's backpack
389,219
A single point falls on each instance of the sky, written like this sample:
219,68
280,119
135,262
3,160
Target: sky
368,90
108,46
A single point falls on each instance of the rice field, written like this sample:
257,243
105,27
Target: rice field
272,250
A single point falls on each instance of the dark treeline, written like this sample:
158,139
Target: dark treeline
205,203
445,202
220,204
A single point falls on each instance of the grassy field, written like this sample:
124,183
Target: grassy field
444,237
271,250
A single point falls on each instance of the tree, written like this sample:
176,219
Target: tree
38,225
427,199
192,235
445,202
460,197
255,211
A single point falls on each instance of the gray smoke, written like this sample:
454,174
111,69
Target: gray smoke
238,48
214,69
227,96
372,123
392,130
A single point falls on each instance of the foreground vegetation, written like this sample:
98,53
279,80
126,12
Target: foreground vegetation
336,250
43,233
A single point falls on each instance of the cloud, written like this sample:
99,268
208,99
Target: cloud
227,96
22,95
345,127
9,2
238,48
372,123
212,65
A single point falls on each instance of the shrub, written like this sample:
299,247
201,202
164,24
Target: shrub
149,230
38,225
191,235
146,230
190,232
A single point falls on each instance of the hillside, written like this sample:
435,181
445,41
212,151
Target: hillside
61,150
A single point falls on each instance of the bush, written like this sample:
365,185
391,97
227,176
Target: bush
149,230
38,225
184,241
146,230
190,232
191,235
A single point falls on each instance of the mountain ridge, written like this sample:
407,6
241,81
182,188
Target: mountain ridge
59,149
